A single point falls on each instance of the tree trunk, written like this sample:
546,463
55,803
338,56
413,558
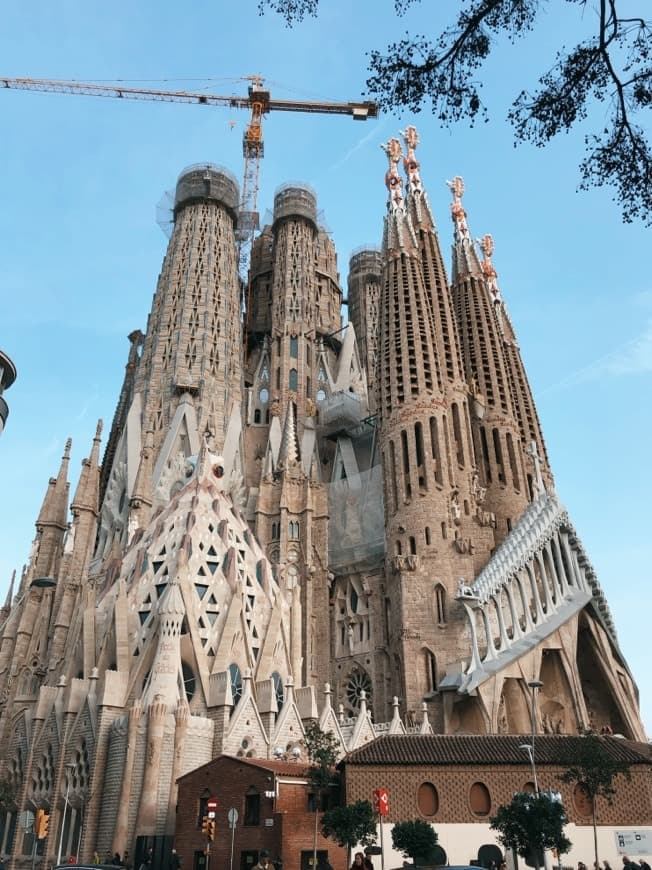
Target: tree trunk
595,834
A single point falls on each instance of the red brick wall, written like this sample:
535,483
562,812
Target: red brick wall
632,805
228,780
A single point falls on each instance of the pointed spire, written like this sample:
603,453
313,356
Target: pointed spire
54,510
6,609
417,199
141,497
465,256
398,233
88,488
289,452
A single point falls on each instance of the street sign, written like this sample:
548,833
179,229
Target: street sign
381,801
232,816
635,842
211,804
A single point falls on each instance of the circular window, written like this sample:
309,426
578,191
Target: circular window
582,800
480,799
264,395
358,682
427,799
321,395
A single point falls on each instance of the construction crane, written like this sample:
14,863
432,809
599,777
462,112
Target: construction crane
258,101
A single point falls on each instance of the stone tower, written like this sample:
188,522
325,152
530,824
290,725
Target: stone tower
287,501
502,463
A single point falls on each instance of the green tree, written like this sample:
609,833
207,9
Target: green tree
530,824
350,825
322,748
7,796
594,769
414,839
612,66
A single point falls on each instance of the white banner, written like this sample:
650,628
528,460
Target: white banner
634,842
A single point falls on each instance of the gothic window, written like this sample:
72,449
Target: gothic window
354,600
429,665
189,682
321,395
257,416
440,605
457,435
293,530
499,455
512,461
294,347
294,380
264,395
236,684
278,689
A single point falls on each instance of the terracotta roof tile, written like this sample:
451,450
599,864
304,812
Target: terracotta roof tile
447,749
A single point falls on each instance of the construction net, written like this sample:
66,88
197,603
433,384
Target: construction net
356,529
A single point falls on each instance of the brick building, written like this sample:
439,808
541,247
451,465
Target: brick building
275,806
457,782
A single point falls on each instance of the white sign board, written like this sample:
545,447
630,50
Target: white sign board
632,843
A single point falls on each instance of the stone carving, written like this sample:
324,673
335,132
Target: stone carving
405,563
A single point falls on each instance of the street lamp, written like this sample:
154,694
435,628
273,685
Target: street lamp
533,685
70,767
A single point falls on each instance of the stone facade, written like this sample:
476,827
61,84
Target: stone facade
297,520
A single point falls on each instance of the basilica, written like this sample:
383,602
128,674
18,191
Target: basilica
295,518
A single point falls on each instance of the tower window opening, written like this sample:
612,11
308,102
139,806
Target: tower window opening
294,347
441,611
413,546
294,380
485,453
257,416
499,455
434,446
443,530
457,435
512,461
427,534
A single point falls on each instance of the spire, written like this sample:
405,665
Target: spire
465,257
6,609
398,233
289,452
54,510
141,497
417,199
88,488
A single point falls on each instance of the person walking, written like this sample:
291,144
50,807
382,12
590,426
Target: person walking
175,861
358,862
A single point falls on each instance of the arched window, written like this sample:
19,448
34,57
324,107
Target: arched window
480,799
294,346
294,380
427,800
293,530
429,663
413,545
236,684
441,613
257,416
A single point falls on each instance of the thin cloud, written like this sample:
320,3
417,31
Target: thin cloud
375,130
634,358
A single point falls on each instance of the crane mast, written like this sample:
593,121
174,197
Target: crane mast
259,101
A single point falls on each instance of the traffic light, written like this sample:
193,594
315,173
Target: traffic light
210,831
41,824
204,824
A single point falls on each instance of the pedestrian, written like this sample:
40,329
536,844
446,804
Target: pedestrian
323,863
96,857
368,863
263,861
125,860
108,857
644,865
606,865
358,862
175,861
117,860
72,859
628,864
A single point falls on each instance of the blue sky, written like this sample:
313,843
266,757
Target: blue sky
80,249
